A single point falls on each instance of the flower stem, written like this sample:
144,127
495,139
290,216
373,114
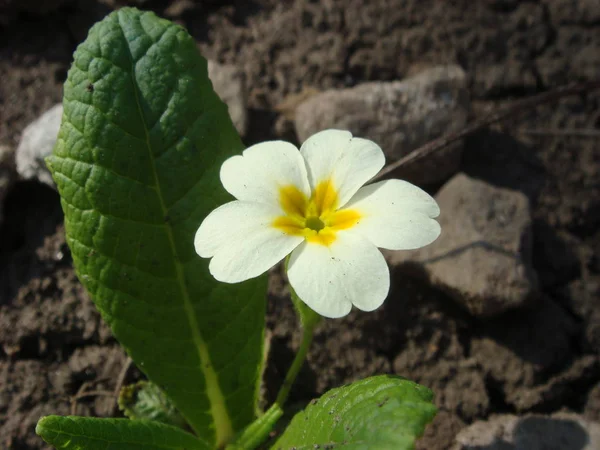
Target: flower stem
258,431
308,320
307,336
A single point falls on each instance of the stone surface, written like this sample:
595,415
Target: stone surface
228,82
560,431
400,116
482,258
37,142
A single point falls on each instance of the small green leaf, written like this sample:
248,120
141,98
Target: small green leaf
145,400
137,163
90,433
382,412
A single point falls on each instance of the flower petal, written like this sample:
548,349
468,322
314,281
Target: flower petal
250,256
262,169
228,222
242,241
395,215
347,161
330,279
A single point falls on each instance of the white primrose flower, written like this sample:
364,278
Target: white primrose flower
312,203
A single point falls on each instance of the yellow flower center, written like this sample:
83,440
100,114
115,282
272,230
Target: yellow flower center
316,218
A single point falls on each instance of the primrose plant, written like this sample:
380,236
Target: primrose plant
144,151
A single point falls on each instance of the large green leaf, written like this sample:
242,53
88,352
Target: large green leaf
381,412
90,433
137,165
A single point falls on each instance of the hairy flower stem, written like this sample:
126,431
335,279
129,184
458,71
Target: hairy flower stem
307,336
309,320
258,431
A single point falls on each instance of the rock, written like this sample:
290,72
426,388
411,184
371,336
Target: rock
482,258
7,172
400,116
560,431
36,143
229,83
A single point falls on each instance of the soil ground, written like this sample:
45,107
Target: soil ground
542,359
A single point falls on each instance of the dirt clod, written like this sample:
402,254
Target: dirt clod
540,358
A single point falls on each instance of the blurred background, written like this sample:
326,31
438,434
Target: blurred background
500,317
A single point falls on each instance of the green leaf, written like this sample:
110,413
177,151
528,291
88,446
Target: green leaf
382,412
137,166
145,400
91,433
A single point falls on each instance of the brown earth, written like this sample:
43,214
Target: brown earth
542,359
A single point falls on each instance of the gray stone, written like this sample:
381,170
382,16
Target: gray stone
229,83
400,116
483,256
37,142
560,431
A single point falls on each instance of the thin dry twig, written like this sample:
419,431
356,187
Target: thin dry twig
95,394
119,385
82,393
503,113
